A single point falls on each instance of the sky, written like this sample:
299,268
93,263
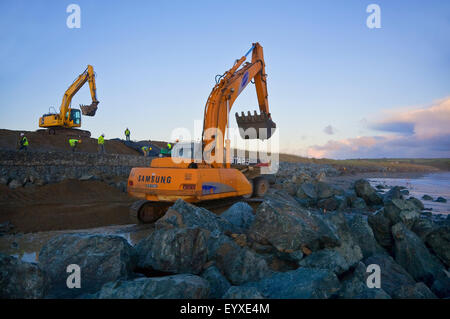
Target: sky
337,88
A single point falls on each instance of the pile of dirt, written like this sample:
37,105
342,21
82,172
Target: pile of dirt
71,204
44,142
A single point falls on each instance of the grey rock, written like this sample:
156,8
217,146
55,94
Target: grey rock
441,285
441,200
307,190
358,203
354,286
324,190
411,254
416,291
367,192
399,210
4,180
217,282
240,265
15,184
329,204
281,222
394,193
239,292
438,240
363,236
101,259
348,247
87,177
240,215
174,250
381,226
427,197
393,276
183,286
422,227
20,280
326,259
183,214
416,202
302,283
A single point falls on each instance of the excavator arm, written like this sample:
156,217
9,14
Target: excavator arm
226,91
88,110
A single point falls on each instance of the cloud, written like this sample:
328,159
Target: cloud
421,132
329,130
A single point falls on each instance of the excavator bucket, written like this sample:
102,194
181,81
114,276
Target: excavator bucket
256,126
89,110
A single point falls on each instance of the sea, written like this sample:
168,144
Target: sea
432,184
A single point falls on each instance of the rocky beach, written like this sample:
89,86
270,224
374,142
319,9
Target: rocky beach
311,236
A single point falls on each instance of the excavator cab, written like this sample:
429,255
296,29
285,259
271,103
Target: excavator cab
256,126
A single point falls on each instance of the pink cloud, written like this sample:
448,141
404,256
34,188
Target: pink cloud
421,132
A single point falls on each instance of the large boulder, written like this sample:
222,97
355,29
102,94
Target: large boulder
423,227
363,236
416,202
183,286
174,250
354,286
240,265
307,190
412,254
326,259
182,214
101,259
302,283
240,215
439,241
417,291
218,284
381,227
281,222
400,210
348,247
20,280
367,192
240,292
393,276
394,193
441,285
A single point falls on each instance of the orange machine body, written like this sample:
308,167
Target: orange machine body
166,181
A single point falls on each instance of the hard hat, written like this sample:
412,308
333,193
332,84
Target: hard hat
149,148
21,134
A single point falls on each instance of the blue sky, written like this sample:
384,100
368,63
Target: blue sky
156,61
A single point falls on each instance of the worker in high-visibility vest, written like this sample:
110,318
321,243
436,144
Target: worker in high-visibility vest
127,134
23,142
101,144
74,143
146,150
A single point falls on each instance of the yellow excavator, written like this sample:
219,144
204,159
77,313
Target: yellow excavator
211,178
68,118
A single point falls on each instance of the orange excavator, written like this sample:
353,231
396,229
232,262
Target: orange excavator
210,178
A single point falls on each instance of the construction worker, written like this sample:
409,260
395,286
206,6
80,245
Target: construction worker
74,143
23,142
146,150
101,144
127,134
